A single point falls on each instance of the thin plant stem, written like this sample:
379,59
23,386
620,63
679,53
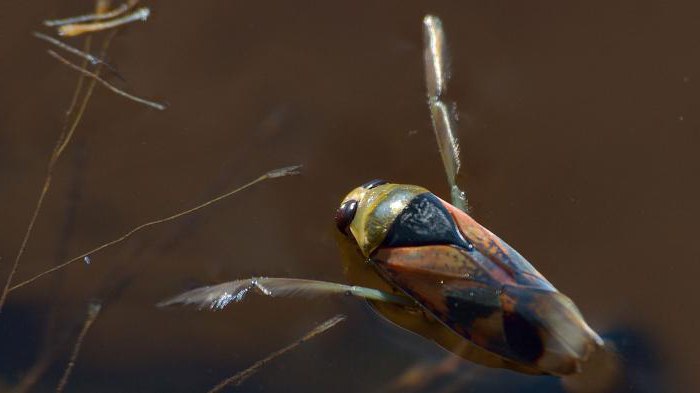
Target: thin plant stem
25,239
39,367
86,100
240,377
91,17
35,373
71,30
52,340
105,83
49,172
78,89
94,60
93,312
286,171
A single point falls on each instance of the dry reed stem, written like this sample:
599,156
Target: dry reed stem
76,92
39,367
93,312
63,141
286,171
106,84
241,376
94,60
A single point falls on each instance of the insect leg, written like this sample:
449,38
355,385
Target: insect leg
443,118
219,296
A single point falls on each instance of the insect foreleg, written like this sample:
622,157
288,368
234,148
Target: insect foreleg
443,118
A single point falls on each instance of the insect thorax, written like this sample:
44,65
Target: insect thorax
377,210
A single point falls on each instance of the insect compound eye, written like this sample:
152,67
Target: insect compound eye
345,214
373,183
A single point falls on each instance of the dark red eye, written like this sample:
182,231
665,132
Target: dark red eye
345,214
373,183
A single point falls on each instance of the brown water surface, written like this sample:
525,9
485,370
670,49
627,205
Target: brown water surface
579,127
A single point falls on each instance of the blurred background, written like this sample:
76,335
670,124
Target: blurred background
579,132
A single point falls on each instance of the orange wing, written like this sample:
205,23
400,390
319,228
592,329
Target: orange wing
490,295
455,289
498,251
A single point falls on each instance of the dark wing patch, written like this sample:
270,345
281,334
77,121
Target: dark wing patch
523,338
466,305
424,221
452,287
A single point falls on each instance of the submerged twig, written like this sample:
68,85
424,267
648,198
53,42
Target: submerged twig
83,105
93,312
105,83
25,239
421,376
52,338
92,17
71,30
240,377
63,141
286,171
76,92
94,60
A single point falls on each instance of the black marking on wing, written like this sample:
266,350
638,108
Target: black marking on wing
469,304
425,221
521,326
522,337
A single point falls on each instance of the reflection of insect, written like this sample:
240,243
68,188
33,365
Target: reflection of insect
430,268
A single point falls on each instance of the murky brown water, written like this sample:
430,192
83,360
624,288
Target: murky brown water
580,135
